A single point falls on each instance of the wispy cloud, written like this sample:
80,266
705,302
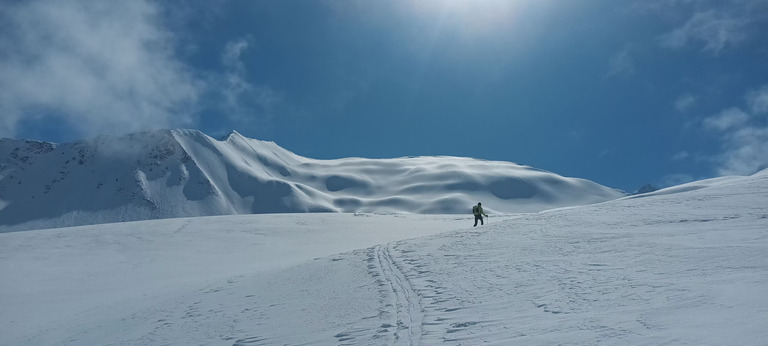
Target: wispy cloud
758,100
682,155
746,151
100,67
685,102
675,179
731,118
714,29
621,64
246,105
744,136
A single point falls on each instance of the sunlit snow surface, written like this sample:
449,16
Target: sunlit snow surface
685,266
184,173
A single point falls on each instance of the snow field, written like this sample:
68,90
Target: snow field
56,280
682,268
184,173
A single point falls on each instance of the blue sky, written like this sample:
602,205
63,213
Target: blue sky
619,92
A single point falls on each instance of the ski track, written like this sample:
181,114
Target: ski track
404,301
625,272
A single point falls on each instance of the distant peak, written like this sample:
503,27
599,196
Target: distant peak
24,141
646,189
187,132
232,134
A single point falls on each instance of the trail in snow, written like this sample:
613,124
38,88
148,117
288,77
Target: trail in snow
686,269
681,269
69,283
405,302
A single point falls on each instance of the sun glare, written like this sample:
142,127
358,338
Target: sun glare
472,16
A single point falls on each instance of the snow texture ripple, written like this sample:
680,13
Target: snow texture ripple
681,266
184,173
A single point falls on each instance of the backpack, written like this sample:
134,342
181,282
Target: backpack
474,210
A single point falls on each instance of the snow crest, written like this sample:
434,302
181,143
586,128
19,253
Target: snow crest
184,173
684,268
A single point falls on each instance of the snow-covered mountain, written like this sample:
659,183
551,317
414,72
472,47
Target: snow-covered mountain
178,173
686,265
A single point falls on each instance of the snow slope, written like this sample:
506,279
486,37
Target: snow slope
685,267
183,173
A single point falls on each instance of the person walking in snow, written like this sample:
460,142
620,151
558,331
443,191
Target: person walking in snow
478,211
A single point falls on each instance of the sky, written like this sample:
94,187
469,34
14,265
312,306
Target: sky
624,93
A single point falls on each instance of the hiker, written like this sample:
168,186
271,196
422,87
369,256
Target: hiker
478,211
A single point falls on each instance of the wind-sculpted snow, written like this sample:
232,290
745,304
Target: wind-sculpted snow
685,268
180,173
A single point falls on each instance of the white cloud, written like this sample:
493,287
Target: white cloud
758,100
101,67
235,84
744,137
715,29
607,152
232,54
728,119
746,151
621,64
245,104
681,156
675,179
685,102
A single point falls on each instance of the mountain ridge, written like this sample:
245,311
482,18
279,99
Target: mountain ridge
181,173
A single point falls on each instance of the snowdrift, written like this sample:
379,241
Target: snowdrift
683,268
182,173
